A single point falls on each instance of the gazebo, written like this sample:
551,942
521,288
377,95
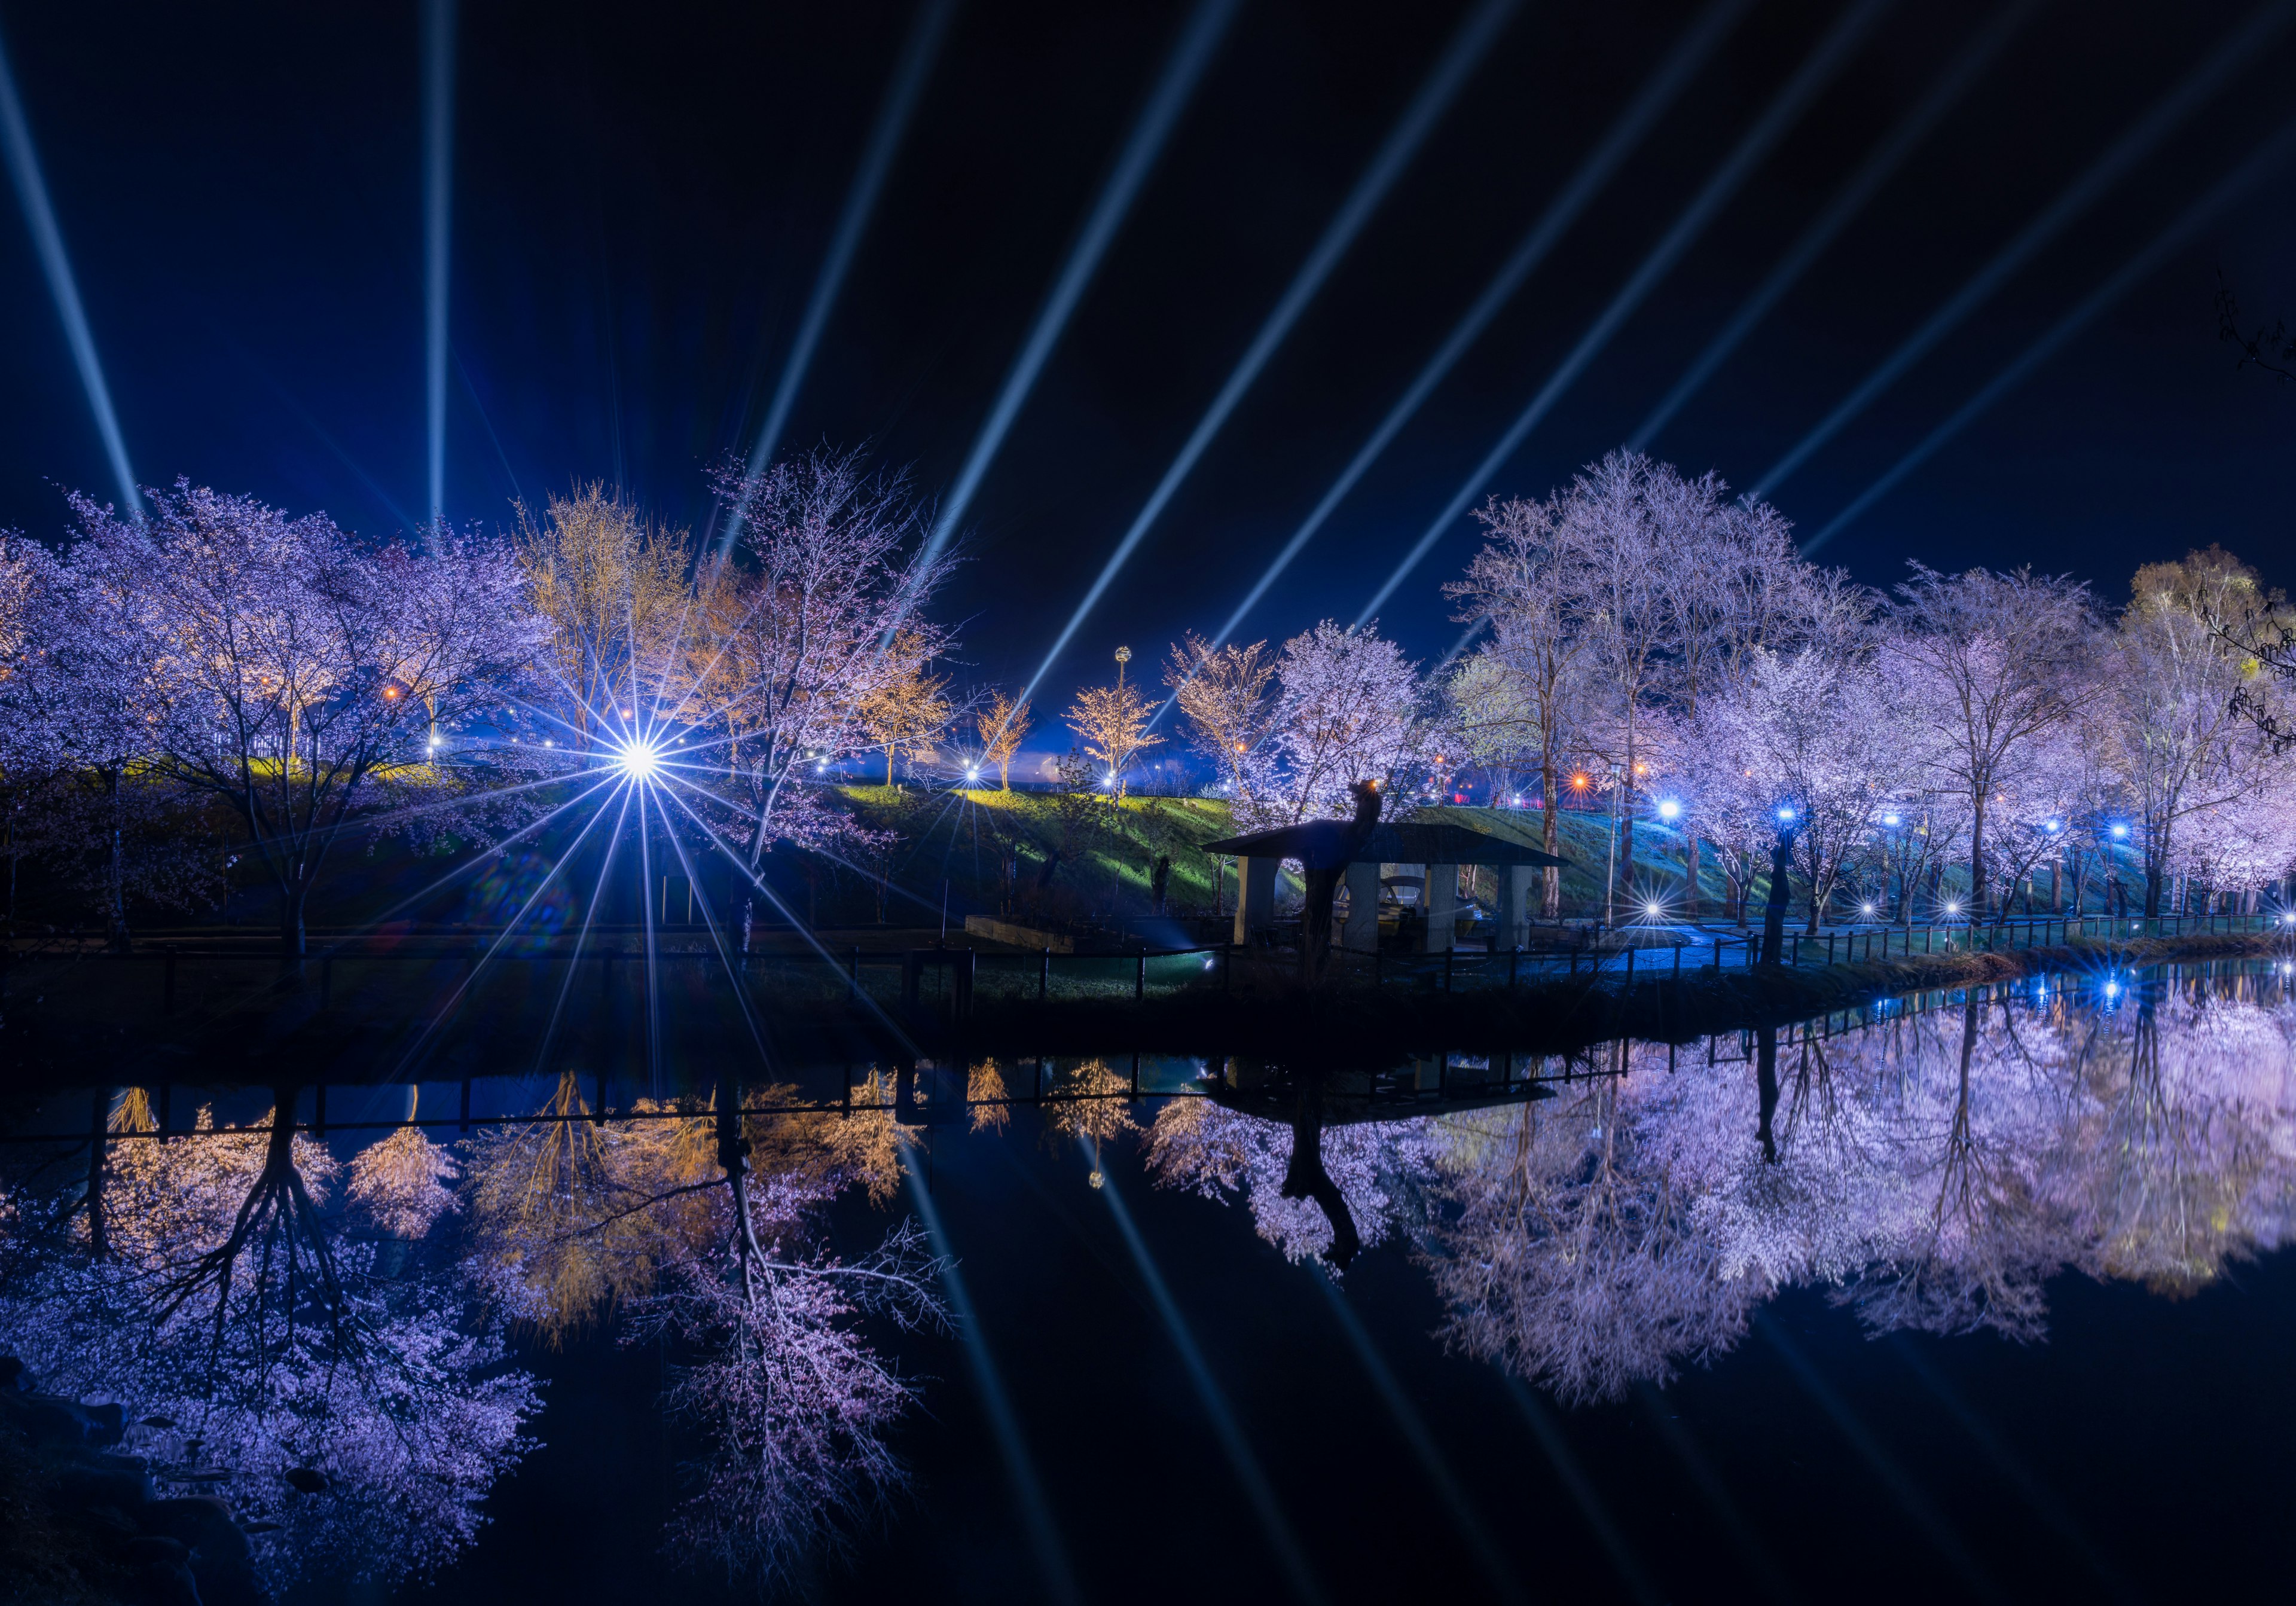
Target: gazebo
1441,847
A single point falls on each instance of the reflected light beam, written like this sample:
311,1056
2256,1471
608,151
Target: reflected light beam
1582,1491
909,76
1456,1501
1925,1517
1004,1421
2131,274
437,221
1173,88
40,217
1847,203
2193,92
1248,1472
1451,69
1758,1560
2045,1503
1592,175
1828,57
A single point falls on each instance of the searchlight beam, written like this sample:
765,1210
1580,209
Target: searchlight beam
40,216
2196,89
1816,70
909,76
2275,153
1592,175
1173,88
1451,69
438,224
1847,203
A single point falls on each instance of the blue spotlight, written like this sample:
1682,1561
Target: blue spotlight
1286,1544
1574,1479
1020,1465
1177,82
438,222
1394,154
1816,72
2188,96
1846,203
1593,174
1455,1499
2132,273
909,77
32,190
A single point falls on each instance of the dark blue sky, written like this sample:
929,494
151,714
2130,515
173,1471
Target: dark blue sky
644,196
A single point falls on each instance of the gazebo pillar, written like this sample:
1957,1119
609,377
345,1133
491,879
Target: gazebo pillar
1514,908
1359,933
1255,897
1441,901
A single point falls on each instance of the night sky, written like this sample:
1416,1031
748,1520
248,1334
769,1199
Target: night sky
643,197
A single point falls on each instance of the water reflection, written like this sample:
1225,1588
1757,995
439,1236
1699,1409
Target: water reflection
1932,1170
339,1336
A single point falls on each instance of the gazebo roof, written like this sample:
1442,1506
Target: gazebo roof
1323,845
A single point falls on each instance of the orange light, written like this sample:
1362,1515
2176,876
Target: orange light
390,691
1579,782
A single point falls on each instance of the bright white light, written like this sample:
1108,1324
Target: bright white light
1888,819
2051,827
1866,908
1953,908
1651,910
2112,989
1785,814
972,775
2120,831
638,760
1668,809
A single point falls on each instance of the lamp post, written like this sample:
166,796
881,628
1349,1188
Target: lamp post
1611,873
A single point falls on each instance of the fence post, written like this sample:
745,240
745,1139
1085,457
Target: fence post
1630,965
1044,974
854,980
318,1110
1140,981
1514,970
167,986
1449,954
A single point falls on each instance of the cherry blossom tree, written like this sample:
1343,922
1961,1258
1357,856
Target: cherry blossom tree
1987,663
816,645
1226,699
311,683
359,1414
1347,711
2184,747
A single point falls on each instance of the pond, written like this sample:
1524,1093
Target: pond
1968,1295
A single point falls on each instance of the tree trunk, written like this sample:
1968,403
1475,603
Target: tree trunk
1977,858
1550,839
1322,884
1305,1178
1690,901
1766,1087
1773,913
99,1246
291,944
115,934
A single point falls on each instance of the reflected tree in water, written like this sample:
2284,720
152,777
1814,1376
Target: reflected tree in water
1375,1169
365,1409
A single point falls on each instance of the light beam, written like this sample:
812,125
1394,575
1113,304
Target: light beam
2188,96
1246,1465
1829,54
909,76
1847,203
1593,174
1004,1421
1451,69
438,220
32,190
1170,95
2131,274
1456,1501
